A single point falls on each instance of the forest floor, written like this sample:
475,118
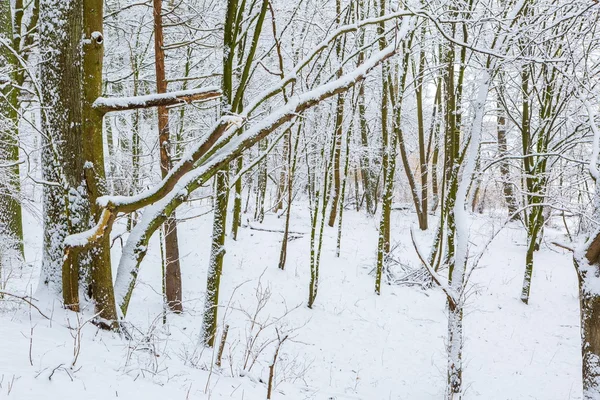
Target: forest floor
351,345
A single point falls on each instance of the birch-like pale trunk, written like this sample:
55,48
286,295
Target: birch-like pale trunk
457,277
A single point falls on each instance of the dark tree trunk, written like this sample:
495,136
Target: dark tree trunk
173,269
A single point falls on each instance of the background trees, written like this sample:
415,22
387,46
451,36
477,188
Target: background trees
438,107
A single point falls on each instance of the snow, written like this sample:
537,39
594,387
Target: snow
352,345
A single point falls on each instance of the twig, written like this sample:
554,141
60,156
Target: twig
26,300
54,370
272,366
256,228
222,345
563,246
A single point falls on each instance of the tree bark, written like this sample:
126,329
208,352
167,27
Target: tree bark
173,268
507,186
217,253
11,220
338,130
221,193
66,207
93,152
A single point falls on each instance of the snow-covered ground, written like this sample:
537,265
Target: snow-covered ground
351,345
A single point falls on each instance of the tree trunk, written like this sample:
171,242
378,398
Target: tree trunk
261,185
455,344
507,186
11,221
221,193
93,152
292,158
343,193
586,264
173,268
217,253
338,130
336,187
66,208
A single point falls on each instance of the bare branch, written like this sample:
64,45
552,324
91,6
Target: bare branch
26,299
452,297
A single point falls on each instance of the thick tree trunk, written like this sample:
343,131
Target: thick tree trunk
383,244
93,152
66,207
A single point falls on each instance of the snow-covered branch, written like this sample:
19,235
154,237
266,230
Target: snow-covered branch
107,104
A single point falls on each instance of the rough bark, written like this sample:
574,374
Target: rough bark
66,208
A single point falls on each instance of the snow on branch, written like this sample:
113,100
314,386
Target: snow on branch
107,104
92,235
